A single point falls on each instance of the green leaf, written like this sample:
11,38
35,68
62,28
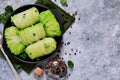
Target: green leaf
4,16
23,56
70,64
8,9
63,2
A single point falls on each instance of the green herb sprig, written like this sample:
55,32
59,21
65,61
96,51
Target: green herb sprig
4,16
63,2
70,64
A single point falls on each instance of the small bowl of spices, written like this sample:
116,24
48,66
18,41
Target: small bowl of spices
56,69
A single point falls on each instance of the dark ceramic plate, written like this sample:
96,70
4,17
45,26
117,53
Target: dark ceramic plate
40,8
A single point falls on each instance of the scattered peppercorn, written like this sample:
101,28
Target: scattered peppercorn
65,53
71,49
75,53
66,5
75,12
69,53
69,74
62,42
58,55
69,32
87,38
65,44
79,51
76,50
68,43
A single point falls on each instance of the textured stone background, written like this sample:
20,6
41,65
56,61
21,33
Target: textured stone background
96,35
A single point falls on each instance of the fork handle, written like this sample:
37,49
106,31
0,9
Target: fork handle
17,76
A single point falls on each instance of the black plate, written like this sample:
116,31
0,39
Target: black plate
40,8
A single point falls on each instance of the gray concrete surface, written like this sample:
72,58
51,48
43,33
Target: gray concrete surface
96,36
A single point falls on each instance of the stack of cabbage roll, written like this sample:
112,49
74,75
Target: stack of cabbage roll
33,33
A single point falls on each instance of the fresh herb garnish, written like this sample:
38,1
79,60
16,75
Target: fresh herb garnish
63,2
8,9
23,56
70,64
4,16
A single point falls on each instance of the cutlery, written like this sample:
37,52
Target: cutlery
17,76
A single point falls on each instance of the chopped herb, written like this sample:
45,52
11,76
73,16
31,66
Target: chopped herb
24,15
34,34
30,53
70,64
46,46
63,2
35,10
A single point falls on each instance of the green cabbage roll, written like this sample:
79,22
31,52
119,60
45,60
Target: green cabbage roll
13,40
46,16
52,26
32,34
11,32
41,48
26,18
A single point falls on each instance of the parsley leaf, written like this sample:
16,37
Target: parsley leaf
4,16
8,9
70,64
63,2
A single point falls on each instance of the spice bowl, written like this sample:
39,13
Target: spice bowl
56,69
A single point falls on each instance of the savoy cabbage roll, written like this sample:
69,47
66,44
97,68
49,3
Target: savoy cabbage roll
41,48
50,23
11,32
52,28
46,16
26,18
32,34
13,40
